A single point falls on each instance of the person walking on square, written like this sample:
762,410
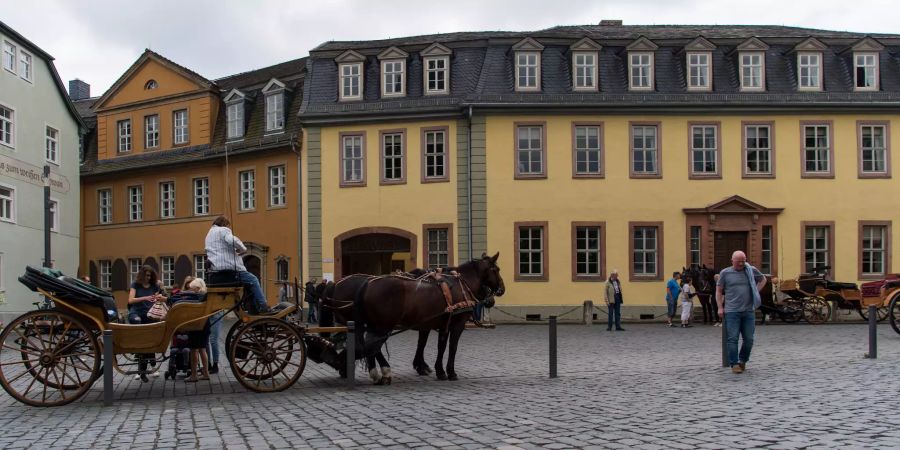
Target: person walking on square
737,294
614,302
673,290
687,301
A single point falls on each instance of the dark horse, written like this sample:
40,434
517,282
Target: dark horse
380,304
705,283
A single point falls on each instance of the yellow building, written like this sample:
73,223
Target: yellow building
574,151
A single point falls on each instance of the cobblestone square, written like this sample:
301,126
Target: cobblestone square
648,387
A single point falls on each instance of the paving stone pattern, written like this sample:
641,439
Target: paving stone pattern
648,387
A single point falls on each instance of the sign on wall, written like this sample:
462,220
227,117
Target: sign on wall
13,168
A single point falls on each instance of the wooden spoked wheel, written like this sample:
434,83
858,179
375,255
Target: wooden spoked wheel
792,311
894,314
48,358
267,355
881,313
816,310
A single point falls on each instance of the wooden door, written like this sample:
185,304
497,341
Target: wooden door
727,242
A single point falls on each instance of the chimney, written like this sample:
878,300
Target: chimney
610,23
79,90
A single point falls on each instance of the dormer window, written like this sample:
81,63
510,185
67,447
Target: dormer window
641,64
809,71
393,72
528,65
865,69
350,75
274,92
752,64
585,62
234,114
436,59
698,55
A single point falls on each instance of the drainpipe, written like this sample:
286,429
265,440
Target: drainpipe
299,212
469,181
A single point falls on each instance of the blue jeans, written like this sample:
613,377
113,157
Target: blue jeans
671,306
312,315
743,323
252,283
614,315
214,332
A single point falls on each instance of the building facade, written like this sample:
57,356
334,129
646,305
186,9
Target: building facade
171,151
577,150
38,127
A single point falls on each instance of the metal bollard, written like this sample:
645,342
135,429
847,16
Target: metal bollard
588,315
552,346
351,354
108,359
724,344
873,332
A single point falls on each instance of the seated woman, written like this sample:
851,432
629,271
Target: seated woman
144,292
193,290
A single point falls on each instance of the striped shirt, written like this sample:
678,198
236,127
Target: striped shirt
222,249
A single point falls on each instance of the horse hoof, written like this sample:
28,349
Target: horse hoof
441,376
386,381
452,377
421,372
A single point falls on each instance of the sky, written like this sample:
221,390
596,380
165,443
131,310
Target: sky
97,40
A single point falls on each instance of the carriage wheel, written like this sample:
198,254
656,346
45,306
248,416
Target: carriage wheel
242,353
230,337
792,311
267,355
881,313
49,358
894,313
816,310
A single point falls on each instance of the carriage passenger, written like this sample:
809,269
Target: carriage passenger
144,292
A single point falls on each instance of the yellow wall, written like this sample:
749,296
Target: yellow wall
559,199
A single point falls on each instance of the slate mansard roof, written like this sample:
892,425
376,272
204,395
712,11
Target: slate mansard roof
482,71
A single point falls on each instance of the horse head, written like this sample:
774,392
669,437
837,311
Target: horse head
489,274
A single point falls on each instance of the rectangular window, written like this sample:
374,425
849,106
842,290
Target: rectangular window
588,248
104,206
105,274
646,250
351,81
9,56
247,188
437,241
7,204
275,111
200,266
123,128
695,259
641,69
866,71
704,150
817,149
809,71
435,145
167,271
135,203
765,263
7,126
26,68
699,71
530,151
277,186
588,151
51,144
392,157
758,155
201,196
531,246
528,71
151,131
180,127
282,270
873,149
54,216
874,249
645,150
235,113
585,70
816,247
752,71
167,200
134,269
393,73
436,75
353,159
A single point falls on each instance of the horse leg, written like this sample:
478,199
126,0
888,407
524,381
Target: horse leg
455,333
369,354
439,363
419,361
385,367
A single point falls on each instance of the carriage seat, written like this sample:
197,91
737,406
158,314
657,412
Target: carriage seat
223,278
836,286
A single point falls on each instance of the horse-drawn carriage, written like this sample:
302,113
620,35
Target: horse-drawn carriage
816,296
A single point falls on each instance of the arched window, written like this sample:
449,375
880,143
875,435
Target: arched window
152,84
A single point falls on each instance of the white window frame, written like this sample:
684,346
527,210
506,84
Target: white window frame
234,116
26,66
536,87
10,127
275,111
583,236
385,92
593,71
432,155
180,128
530,252
704,68
745,86
342,76
167,274
278,186
428,71
133,270
247,189
105,274
584,149
11,56
393,157
135,203
199,266
55,213
759,150
705,151
11,199
866,246
437,244
819,233
104,206
51,144
123,135
534,154
201,196
640,64
352,161
809,66
828,148
874,150
151,131
167,200
645,250
875,68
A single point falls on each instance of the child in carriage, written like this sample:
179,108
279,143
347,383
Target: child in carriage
179,356
194,290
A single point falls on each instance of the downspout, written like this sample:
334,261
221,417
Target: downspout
299,213
469,181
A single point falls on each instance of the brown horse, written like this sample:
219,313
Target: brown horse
379,305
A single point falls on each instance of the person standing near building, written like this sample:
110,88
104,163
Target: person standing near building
614,302
312,301
737,294
687,301
673,290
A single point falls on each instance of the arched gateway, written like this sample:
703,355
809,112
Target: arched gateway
374,251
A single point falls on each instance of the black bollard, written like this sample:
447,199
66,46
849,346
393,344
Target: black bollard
552,346
351,354
108,359
724,344
873,332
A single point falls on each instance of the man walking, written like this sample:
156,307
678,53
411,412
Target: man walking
614,302
737,294
673,290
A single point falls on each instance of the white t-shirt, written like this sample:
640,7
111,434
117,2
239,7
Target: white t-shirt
686,290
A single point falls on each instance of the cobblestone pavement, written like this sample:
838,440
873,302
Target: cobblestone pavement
648,387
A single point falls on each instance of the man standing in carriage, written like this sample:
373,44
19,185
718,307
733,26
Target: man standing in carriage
737,294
